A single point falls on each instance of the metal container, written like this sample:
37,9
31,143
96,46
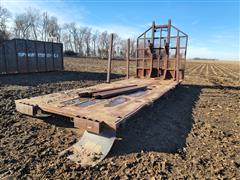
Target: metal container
25,56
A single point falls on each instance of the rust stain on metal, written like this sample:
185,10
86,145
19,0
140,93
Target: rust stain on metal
163,53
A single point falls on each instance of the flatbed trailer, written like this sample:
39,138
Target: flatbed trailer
101,109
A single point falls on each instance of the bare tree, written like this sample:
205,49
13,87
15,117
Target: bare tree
95,36
80,40
53,29
26,25
44,26
20,26
118,46
4,17
103,44
87,40
133,47
33,24
72,30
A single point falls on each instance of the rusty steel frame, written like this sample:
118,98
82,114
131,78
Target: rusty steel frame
110,57
127,58
99,110
164,68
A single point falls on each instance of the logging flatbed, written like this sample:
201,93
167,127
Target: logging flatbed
93,114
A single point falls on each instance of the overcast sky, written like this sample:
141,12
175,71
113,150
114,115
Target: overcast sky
212,25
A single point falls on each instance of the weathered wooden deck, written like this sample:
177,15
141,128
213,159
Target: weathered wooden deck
92,114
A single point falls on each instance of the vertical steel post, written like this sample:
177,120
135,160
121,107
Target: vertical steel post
137,58
168,40
109,57
159,55
178,58
185,57
127,58
143,60
175,61
153,33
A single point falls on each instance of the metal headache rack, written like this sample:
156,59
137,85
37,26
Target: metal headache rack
161,52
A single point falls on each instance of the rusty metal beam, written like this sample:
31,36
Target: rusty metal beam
127,58
117,92
143,61
109,57
90,125
168,41
137,58
177,59
162,26
90,93
153,33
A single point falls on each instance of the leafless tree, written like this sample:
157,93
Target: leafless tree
87,40
33,24
71,30
103,44
4,17
118,46
53,29
26,25
95,36
133,47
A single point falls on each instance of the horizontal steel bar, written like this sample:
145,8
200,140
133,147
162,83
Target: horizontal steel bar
117,92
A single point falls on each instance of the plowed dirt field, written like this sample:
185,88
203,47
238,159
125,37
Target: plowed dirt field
192,132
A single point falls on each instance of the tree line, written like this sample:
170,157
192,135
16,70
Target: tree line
34,24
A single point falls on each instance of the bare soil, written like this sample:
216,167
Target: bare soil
192,132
